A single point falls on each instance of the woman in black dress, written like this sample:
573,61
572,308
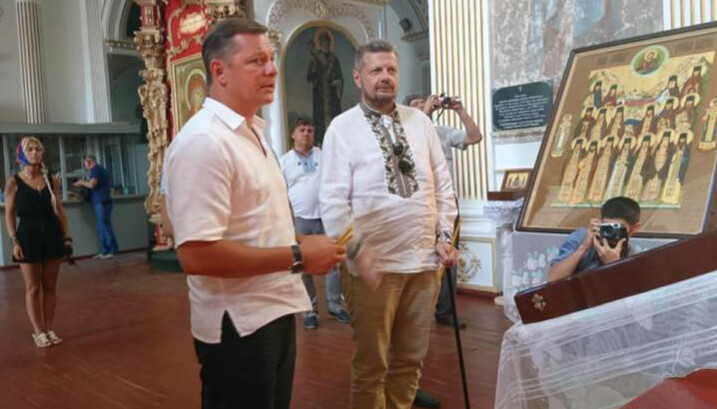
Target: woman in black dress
40,237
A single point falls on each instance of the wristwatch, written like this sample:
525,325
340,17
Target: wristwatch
298,266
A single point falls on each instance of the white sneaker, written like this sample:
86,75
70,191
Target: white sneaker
53,338
98,256
41,340
107,256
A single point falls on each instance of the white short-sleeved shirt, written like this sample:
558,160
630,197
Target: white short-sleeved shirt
303,185
451,138
224,183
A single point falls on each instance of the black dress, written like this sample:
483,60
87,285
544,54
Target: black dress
39,232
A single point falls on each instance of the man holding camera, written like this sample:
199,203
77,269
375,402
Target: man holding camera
604,241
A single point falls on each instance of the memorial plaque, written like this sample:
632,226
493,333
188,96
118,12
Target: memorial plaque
522,106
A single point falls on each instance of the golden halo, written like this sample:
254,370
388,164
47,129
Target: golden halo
675,103
575,142
645,136
713,103
676,137
692,94
614,137
582,113
317,35
628,139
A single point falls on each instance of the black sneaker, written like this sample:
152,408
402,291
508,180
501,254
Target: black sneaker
424,400
341,316
311,322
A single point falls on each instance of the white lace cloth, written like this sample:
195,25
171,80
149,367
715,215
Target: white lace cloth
608,355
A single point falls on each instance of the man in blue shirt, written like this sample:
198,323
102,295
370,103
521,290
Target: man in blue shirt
584,249
99,184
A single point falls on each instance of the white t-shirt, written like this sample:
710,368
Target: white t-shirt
303,182
224,183
451,138
354,190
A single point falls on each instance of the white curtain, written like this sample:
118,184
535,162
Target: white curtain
606,356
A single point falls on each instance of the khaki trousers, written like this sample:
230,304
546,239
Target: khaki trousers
392,329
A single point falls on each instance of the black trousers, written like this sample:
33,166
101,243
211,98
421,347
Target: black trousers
252,372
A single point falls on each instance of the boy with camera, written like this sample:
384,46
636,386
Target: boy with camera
604,241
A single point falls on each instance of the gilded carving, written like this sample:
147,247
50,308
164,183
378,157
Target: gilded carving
221,9
539,302
323,11
154,97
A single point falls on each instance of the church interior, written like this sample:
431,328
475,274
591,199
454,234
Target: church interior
558,298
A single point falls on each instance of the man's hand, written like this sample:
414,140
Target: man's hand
77,183
593,231
455,104
606,253
431,104
365,263
320,253
446,253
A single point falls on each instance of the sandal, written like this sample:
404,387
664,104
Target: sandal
53,338
41,340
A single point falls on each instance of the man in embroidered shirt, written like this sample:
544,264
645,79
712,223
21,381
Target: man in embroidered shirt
386,175
301,170
232,222
584,249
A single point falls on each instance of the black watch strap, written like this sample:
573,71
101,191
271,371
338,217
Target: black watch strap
298,266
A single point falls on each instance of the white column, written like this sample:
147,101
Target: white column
98,96
32,71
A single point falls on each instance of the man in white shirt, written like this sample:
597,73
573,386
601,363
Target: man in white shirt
301,167
235,238
386,176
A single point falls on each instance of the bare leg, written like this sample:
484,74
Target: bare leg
49,293
31,273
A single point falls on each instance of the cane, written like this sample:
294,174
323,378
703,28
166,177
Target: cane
441,271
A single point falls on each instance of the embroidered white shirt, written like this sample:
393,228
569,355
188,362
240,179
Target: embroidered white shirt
354,190
224,183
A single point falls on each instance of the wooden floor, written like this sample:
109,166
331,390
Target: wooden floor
128,345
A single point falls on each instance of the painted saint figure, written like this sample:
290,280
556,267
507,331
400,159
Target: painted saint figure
620,168
636,181
709,128
597,94
602,172
611,98
685,119
563,135
617,124
678,168
694,83
648,124
586,169
656,170
571,170
324,75
599,129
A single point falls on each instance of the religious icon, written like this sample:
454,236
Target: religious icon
649,60
189,88
515,180
666,119
563,135
325,77
599,129
672,192
709,127
586,118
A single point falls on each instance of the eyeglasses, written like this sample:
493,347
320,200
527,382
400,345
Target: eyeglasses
405,165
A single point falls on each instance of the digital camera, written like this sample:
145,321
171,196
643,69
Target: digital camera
613,232
445,100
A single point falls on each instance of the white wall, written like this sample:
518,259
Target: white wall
11,103
67,80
